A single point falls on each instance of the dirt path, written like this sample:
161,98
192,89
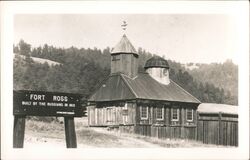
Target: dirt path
127,140
31,141
137,143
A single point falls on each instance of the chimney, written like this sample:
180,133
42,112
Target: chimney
124,58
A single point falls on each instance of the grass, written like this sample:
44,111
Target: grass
41,60
101,137
174,143
85,135
45,129
169,143
91,137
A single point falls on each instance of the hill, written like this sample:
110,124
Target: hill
83,69
39,60
223,75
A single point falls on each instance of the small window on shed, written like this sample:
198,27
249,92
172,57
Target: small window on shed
175,114
116,57
190,114
144,112
159,113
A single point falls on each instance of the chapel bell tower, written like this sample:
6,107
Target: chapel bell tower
124,58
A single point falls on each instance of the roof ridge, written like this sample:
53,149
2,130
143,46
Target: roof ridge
130,77
130,88
184,90
99,86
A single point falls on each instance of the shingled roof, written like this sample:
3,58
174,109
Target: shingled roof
124,46
122,87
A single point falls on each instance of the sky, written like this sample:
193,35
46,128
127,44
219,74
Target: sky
198,38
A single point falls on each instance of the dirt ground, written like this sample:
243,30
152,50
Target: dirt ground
86,138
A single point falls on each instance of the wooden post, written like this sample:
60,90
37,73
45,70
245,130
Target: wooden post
70,133
197,125
19,129
88,109
220,131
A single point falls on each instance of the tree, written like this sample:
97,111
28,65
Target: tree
83,69
24,48
16,49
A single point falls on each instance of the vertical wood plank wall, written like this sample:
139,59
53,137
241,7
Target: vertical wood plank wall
126,63
208,128
111,115
220,129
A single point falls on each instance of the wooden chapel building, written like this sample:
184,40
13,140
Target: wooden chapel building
147,103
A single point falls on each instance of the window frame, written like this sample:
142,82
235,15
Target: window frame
144,118
162,113
172,114
192,111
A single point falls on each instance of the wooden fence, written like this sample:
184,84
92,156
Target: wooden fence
220,129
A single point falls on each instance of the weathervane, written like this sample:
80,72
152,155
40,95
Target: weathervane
124,25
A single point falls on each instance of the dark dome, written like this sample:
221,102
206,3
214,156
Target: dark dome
157,62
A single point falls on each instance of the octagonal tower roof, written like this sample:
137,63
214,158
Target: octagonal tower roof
124,46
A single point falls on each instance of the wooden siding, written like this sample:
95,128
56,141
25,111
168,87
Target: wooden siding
167,118
126,64
171,132
166,128
220,129
112,115
209,128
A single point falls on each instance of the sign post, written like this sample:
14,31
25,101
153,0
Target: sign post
19,129
70,133
38,103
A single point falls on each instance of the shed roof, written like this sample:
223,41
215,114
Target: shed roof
216,108
141,87
124,46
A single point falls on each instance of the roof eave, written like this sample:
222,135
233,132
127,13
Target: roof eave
171,101
124,52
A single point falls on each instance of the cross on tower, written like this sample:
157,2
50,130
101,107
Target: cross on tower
124,25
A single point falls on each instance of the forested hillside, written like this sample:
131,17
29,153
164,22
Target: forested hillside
223,75
81,70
